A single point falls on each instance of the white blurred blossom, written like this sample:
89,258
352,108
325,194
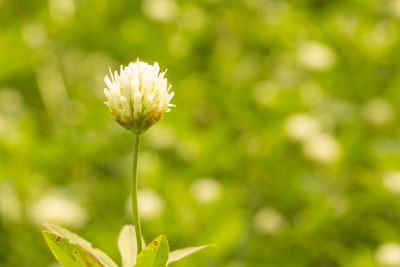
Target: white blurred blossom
160,10
316,56
382,35
391,181
206,190
269,221
388,255
58,209
378,112
138,95
34,34
275,11
300,126
394,8
322,148
150,203
193,17
10,204
62,10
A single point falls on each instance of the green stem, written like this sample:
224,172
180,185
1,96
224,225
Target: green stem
135,210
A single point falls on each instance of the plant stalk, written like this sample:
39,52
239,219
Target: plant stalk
135,210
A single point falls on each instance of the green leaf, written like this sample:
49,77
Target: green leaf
61,248
69,254
75,239
85,258
127,246
155,254
179,254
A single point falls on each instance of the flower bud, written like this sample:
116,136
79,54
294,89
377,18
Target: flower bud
138,95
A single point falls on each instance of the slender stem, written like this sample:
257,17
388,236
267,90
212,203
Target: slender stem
135,210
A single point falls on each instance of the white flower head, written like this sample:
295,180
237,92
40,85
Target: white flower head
388,255
138,95
269,221
58,209
206,190
391,181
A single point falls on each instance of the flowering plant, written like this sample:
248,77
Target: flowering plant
137,97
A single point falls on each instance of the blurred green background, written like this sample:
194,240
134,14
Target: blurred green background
283,147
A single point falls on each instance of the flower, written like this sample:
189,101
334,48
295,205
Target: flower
138,95
378,112
391,181
316,56
269,221
300,126
388,255
59,209
322,148
206,190
151,204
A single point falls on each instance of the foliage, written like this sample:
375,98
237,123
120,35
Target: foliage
73,251
224,167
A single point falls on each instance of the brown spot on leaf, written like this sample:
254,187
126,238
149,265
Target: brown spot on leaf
155,243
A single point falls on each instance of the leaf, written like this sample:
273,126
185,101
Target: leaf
61,248
179,254
85,258
74,238
69,254
127,246
155,254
